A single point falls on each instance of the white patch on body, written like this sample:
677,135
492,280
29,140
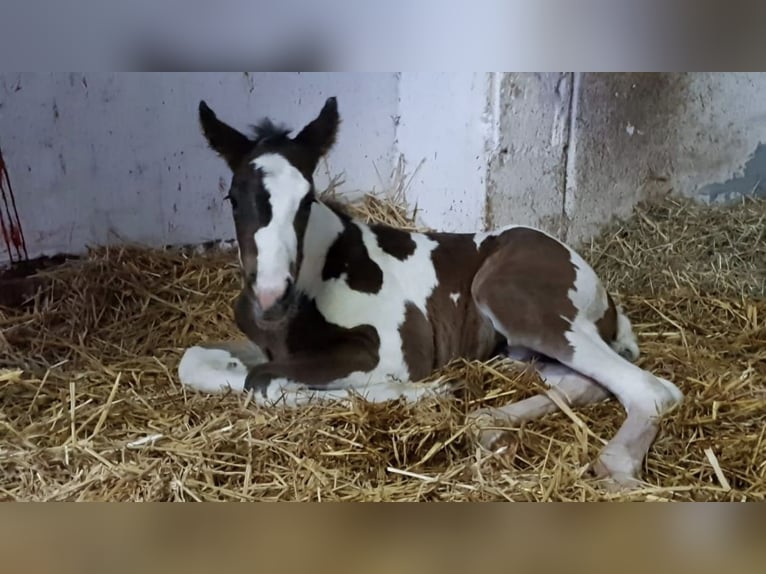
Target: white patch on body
207,370
385,310
211,370
603,362
591,301
587,294
478,238
455,297
277,242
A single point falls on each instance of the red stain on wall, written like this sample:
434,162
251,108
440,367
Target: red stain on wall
10,224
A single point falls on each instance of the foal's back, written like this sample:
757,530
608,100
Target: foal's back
535,282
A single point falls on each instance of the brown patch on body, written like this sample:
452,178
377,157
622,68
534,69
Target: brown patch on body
417,343
395,242
607,325
525,284
348,256
451,328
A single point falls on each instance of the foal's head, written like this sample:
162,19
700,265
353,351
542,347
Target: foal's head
271,193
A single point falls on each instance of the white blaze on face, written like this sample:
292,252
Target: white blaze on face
276,242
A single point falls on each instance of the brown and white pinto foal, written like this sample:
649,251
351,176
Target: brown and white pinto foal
330,304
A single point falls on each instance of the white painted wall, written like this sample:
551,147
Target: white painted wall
446,121
101,158
111,157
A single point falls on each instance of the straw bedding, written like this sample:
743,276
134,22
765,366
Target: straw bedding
92,409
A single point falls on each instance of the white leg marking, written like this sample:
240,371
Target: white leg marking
211,370
575,388
634,387
645,398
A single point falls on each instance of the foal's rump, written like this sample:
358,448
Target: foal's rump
533,288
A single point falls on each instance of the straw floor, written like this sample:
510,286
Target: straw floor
91,409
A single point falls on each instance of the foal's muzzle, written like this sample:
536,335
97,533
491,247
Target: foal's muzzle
273,304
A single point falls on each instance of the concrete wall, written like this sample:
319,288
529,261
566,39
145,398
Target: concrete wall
626,136
527,169
444,129
106,158
571,163
102,158
721,155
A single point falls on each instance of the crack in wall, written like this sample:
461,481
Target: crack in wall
492,142
570,154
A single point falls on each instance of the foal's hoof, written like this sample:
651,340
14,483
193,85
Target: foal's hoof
615,474
482,422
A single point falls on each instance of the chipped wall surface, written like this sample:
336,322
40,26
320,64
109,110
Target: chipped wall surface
527,167
632,136
627,133
102,158
723,154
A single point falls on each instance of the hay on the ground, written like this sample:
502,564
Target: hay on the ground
92,408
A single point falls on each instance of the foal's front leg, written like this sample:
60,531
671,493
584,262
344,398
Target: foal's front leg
314,370
574,389
324,376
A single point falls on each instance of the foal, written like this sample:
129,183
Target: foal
330,304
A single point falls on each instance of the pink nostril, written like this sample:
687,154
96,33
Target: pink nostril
266,299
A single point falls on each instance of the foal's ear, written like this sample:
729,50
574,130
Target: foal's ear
319,135
227,142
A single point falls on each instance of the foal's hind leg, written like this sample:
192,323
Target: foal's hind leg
542,296
645,398
573,388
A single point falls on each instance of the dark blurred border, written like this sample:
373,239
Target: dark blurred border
291,35
372,538
156,56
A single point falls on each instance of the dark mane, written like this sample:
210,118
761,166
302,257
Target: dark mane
266,131
336,206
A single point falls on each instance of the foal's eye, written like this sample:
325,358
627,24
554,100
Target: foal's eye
231,200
